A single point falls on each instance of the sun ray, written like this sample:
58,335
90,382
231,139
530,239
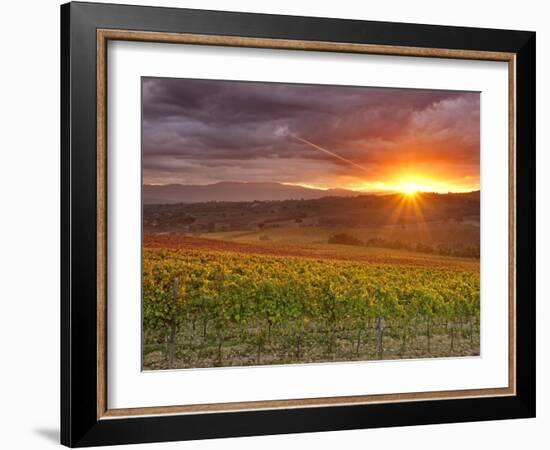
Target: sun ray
396,212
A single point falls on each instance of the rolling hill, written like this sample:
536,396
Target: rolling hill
232,191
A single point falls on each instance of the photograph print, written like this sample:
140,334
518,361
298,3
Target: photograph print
294,223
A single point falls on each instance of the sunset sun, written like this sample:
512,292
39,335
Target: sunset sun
410,189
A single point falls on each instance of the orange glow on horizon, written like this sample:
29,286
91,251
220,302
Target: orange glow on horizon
406,187
407,182
412,184
419,167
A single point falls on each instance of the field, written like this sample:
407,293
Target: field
237,298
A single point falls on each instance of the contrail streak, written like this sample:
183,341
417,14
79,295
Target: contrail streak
328,152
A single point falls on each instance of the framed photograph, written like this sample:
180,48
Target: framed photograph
276,224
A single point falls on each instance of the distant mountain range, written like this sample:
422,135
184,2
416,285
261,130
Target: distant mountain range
234,191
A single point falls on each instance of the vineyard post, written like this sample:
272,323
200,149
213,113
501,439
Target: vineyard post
428,332
358,345
452,337
172,336
380,326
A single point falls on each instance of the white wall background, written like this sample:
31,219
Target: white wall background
29,224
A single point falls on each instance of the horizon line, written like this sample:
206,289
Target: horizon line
314,188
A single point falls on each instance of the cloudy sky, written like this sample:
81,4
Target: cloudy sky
367,139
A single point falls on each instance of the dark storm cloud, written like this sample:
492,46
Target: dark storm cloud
195,130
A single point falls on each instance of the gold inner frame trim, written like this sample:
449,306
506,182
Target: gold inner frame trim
103,36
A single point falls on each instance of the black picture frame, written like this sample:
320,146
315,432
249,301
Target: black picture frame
80,425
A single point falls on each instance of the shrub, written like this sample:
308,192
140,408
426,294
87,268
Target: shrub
344,239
